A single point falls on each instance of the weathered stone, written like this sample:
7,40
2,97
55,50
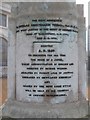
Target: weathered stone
24,47
15,109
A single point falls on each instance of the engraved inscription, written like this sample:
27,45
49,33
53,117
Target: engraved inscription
49,67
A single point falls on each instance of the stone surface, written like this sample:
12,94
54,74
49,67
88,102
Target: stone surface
21,54
62,63
82,72
11,59
39,0
13,50
12,36
16,109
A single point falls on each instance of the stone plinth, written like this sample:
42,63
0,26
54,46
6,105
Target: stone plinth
15,109
46,74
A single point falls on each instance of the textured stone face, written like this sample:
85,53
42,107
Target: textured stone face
38,1
46,53
46,59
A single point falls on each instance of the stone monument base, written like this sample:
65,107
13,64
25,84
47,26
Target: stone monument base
15,109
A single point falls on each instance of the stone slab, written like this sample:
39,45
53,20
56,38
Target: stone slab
48,55
16,109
